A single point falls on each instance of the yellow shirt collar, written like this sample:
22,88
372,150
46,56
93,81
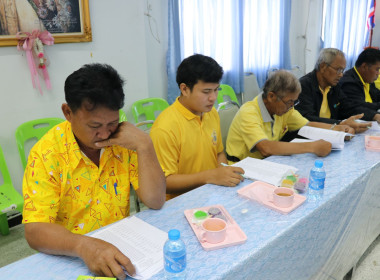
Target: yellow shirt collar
186,112
361,79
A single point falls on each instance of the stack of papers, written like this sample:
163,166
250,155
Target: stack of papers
336,138
141,242
264,170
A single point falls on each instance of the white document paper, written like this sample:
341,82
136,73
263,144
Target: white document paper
141,242
264,170
336,138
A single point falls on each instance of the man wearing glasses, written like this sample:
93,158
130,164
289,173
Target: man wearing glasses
260,124
358,84
321,98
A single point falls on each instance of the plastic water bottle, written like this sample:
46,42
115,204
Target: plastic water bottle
174,256
317,181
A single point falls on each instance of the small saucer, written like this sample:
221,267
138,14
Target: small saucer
368,146
234,236
262,193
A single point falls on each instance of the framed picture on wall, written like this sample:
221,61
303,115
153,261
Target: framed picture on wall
67,20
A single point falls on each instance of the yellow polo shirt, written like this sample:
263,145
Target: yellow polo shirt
377,82
253,123
62,185
185,143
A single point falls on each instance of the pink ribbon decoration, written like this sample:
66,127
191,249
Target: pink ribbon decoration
26,42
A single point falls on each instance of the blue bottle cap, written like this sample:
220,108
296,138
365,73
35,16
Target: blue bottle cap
174,234
318,163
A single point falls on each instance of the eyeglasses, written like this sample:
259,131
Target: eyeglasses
338,70
291,103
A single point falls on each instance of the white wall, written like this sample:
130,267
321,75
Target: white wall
156,50
305,33
121,38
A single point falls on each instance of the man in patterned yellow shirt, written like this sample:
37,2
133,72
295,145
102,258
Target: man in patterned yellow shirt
79,174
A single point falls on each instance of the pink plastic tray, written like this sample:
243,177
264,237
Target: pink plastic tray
234,235
369,147
262,192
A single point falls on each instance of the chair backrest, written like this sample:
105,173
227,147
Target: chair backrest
11,201
145,126
227,111
32,131
226,93
4,170
148,109
122,116
251,87
296,71
271,71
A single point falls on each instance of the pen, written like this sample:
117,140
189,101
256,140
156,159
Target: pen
242,175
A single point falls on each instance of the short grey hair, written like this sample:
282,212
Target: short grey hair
281,83
327,56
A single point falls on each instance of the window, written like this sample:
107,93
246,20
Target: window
242,36
344,27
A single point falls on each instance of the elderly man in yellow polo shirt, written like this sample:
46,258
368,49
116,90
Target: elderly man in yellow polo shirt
187,136
260,124
79,174
358,84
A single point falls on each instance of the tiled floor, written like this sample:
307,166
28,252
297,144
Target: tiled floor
14,247
368,267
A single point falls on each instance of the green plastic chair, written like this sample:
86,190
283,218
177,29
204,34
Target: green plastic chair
226,93
33,130
227,111
122,116
148,109
10,199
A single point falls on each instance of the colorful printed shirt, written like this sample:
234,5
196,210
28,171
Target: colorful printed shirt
62,185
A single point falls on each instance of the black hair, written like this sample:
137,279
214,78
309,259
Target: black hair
196,68
95,84
369,56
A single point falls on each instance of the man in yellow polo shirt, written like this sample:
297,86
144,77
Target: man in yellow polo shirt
79,174
187,137
260,124
358,84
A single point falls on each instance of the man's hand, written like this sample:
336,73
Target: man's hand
321,148
344,128
104,259
228,176
127,136
358,126
377,118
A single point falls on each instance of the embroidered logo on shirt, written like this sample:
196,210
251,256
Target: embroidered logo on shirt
214,138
